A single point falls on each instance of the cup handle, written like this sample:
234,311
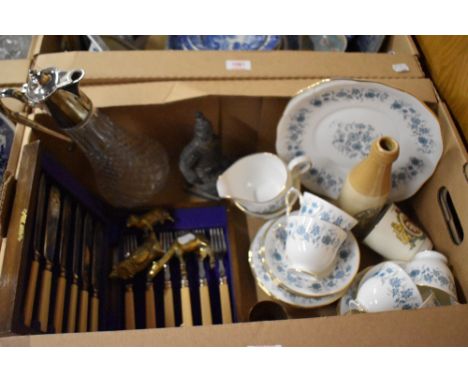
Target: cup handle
355,305
290,199
299,165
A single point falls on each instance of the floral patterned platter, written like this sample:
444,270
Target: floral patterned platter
266,283
7,132
229,42
335,122
276,263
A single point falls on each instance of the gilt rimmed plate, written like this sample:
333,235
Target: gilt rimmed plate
229,42
335,122
276,264
266,283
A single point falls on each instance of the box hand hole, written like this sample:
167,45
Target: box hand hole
450,216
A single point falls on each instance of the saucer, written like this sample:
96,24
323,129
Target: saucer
334,123
301,283
266,283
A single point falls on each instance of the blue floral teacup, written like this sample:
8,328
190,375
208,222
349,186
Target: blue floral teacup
430,269
385,287
312,245
312,205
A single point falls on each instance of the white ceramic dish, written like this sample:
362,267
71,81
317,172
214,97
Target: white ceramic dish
277,264
272,289
335,121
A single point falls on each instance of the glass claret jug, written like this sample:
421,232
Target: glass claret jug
129,169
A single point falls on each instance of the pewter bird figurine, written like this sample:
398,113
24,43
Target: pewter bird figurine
202,160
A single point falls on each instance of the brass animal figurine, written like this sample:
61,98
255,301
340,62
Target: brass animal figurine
139,259
188,243
148,220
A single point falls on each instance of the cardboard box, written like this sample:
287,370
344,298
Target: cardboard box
245,114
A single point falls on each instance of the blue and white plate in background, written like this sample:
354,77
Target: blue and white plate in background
228,42
7,132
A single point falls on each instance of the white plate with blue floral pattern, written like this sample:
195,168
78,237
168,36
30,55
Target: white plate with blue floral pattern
335,121
229,42
276,261
266,283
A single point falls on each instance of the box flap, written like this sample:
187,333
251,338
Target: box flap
139,66
425,327
150,93
13,72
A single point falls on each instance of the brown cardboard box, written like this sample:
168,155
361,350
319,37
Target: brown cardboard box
245,113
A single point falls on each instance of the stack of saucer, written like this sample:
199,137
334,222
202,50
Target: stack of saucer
314,269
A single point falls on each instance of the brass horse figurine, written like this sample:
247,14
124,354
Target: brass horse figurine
188,243
148,251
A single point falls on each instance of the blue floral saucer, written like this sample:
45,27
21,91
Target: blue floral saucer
229,42
334,122
272,289
7,132
276,262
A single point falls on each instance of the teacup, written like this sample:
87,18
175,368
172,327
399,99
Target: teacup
259,182
312,244
386,287
395,236
312,205
429,269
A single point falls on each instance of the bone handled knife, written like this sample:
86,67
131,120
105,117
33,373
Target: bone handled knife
85,273
33,276
65,227
96,268
76,257
52,222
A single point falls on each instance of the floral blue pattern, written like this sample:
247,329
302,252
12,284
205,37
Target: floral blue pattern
407,172
425,275
266,283
353,139
403,295
301,283
326,183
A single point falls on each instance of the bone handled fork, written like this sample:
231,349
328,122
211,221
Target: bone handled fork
187,319
220,249
205,303
169,320
130,243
